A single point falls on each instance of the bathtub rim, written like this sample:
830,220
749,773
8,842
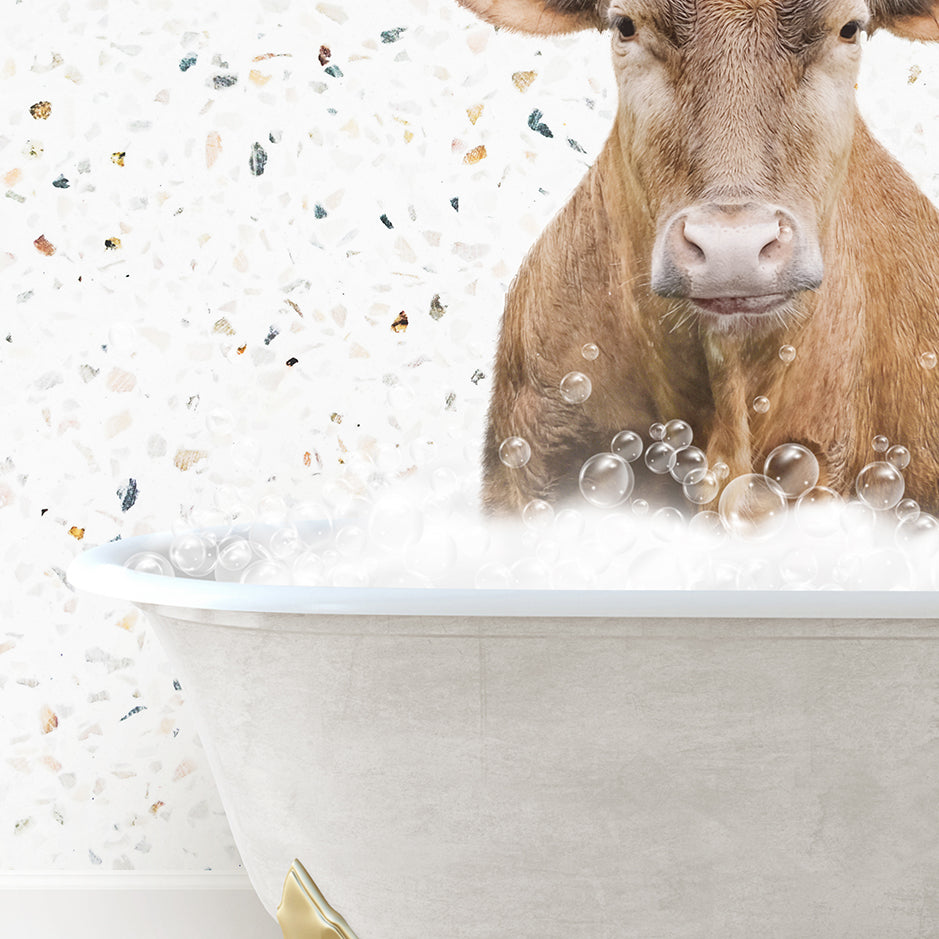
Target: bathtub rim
99,570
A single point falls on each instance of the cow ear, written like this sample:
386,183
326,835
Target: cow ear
911,19
538,17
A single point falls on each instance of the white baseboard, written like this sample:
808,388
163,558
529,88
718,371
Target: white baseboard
144,905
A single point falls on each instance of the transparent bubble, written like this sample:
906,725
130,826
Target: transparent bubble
210,517
628,445
689,466
514,452
660,457
338,496
308,569
150,562
880,443
678,434
818,511
721,470
530,574
267,572
220,422
569,525
668,524
444,481
918,534
701,487
907,508
640,507
928,360
899,456
793,468
751,506
707,526
272,510
493,576
313,522
285,542
880,569
575,387
538,514
857,519
787,353
606,480
350,540
590,350
548,551
235,554
880,485
657,431
761,404
395,522
192,554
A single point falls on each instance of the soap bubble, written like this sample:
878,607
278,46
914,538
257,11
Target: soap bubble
514,452
918,534
538,514
678,434
266,572
761,404
493,576
628,445
660,457
928,360
657,430
689,462
707,526
285,542
752,506
880,485
350,540
721,470
590,350
569,525
575,387
880,443
308,569
272,510
907,508
793,468
234,554
818,511
668,523
606,480
548,551
640,507
395,522
313,523
787,353
701,487
530,574
150,562
857,519
193,554
899,456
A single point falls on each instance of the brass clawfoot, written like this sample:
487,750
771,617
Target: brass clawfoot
303,912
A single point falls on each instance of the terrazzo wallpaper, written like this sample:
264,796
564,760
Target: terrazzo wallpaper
250,250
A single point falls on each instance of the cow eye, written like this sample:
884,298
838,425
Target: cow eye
849,32
625,26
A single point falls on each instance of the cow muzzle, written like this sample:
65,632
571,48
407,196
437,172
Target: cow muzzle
735,259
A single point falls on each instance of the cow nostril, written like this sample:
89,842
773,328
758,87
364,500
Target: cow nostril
694,250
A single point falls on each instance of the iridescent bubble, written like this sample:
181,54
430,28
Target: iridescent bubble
928,360
657,431
514,452
606,480
751,506
628,445
538,514
660,457
150,562
787,353
192,554
793,468
701,487
761,404
907,508
575,387
668,524
818,511
880,485
678,434
590,350
267,572
721,470
899,456
394,523
880,443
689,462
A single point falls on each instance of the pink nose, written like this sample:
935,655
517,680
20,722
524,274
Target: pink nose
712,250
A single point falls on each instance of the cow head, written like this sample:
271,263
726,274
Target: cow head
735,122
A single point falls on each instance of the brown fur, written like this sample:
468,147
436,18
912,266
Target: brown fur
858,338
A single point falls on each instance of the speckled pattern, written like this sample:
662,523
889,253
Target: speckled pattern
249,249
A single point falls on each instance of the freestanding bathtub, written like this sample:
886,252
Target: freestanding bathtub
549,764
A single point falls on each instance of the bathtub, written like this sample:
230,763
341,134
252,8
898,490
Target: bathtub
546,764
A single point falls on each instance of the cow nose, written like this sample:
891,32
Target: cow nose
715,250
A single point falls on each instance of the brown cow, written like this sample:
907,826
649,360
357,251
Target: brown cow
740,204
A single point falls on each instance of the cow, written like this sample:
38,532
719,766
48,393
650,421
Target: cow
739,205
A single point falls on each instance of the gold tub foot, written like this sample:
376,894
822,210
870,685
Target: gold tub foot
303,912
